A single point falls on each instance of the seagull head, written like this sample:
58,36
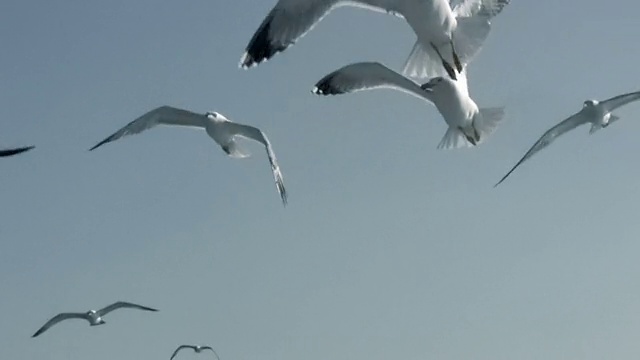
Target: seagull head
589,103
213,115
439,85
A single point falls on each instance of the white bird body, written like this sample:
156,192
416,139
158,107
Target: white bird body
594,112
434,22
468,125
222,130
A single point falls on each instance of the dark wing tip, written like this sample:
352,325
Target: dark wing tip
15,151
260,47
40,331
109,139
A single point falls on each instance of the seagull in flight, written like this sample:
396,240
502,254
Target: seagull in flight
222,130
197,348
438,24
16,151
92,316
468,124
594,112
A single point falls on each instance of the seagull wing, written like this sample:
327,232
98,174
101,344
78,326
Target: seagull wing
180,348
367,76
164,115
486,8
210,348
60,317
547,138
122,304
16,151
287,22
250,132
620,100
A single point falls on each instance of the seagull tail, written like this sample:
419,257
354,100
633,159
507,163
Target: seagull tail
469,36
234,150
454,139
488,121
596,127
422,63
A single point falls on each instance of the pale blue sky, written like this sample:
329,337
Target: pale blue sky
389,248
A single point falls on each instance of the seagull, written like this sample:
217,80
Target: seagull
16,151
594,112
470,30
437,24
468,124
222,130
197,348
92,316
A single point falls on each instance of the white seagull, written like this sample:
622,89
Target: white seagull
92,316
223,131
594,112
16,151
468,124
462,26
197,348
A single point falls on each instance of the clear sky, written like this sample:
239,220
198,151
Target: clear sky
389,248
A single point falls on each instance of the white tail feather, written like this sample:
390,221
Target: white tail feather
234,150
488,121
454,139
422,63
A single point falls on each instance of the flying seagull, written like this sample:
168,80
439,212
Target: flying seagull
16,151
92,316
197,348
460,27
471,28
223,131
594,112
468,124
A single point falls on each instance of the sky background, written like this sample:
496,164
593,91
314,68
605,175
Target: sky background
389,248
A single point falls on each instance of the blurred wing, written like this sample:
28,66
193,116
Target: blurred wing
164,115
210,348
547,138
486,8
16,151
56,319
256,134
122,304
287,22
620,100
180,348
367,76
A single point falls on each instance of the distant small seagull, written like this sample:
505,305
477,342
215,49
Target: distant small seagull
468,124
92,316
11,152
437,24
223,131
594,112
197,348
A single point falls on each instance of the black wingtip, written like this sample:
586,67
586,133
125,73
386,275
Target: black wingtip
11,152
260,47
109,139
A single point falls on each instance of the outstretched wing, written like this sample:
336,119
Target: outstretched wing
256,134
122,304
547,138
367,76
60,317
620,100
287,22
11,152
180,348
164,115
210,348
